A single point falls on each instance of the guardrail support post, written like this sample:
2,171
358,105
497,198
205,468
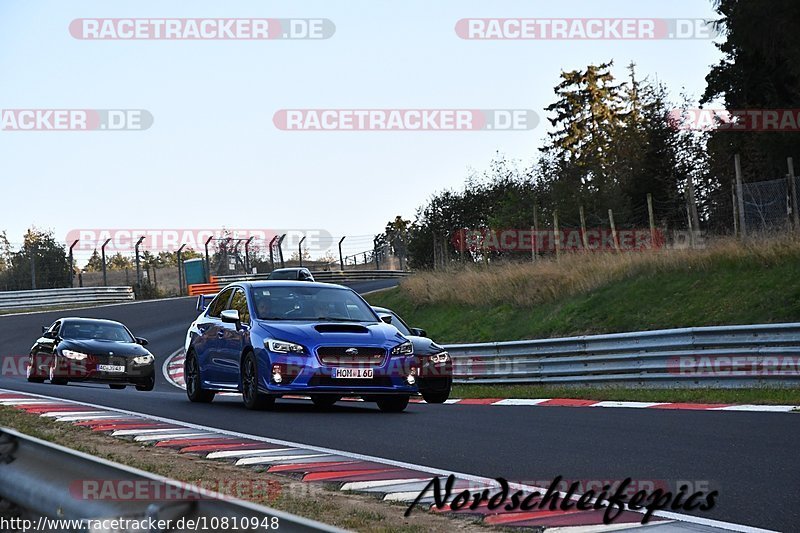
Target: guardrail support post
740,195
103,258
280,249
793,191
208,262
179,257
138,269
271,253
300,250
247,254
33,265
71,264
341,259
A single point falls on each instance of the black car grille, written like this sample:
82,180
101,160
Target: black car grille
110,360
327,381
337,356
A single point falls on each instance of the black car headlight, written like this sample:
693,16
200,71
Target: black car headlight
403,349
277,346
143,359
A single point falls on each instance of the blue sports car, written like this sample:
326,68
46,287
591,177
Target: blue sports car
267,339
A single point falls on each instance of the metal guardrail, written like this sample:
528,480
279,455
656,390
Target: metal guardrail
724,356
57,297
50,481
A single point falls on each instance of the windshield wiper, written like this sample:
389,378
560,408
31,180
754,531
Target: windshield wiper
337,319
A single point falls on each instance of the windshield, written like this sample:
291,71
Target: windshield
283,274
95,331
310,303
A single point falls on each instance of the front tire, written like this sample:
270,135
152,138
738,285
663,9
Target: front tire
393,404
194,384
32,372
437,391
54,379
253,399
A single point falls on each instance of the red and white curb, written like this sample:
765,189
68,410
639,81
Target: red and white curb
393,481
173,372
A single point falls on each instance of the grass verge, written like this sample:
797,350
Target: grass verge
729,283
758,396
310,500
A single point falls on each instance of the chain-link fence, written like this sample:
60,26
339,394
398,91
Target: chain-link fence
768,205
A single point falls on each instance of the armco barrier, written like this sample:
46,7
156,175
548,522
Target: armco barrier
29,480
58,297
724,356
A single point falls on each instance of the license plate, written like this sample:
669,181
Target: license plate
110,368
354,373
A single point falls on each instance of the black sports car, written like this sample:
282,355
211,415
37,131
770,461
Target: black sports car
435,366
92,350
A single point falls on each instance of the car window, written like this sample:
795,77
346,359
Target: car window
219,304
399,324
310,303
55,327
239,302
100,331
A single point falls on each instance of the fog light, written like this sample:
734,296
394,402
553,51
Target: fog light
411,379
276,374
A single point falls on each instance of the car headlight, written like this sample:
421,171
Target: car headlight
143,359
283,347
75,356
441,357
403,349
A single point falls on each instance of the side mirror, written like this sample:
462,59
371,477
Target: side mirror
386,318
142,341
49,335
418,332
44,329
230,316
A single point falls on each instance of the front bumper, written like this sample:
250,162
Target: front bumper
306,375
86,371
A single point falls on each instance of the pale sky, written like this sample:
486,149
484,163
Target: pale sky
213,157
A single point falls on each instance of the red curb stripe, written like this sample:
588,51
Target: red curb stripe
567,402
380,476
308,467
344,474
183,442
479,401
222,448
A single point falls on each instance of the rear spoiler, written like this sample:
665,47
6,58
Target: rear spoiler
203,300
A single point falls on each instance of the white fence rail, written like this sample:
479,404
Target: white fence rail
59,297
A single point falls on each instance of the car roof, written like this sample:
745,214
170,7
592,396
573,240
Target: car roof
289,269
286,283
89,320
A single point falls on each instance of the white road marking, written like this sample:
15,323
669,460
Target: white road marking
274,459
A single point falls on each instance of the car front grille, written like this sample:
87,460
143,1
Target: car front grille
327,381
338,356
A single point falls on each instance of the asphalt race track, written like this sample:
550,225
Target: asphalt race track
750,458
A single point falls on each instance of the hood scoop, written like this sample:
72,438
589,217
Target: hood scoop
340,328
